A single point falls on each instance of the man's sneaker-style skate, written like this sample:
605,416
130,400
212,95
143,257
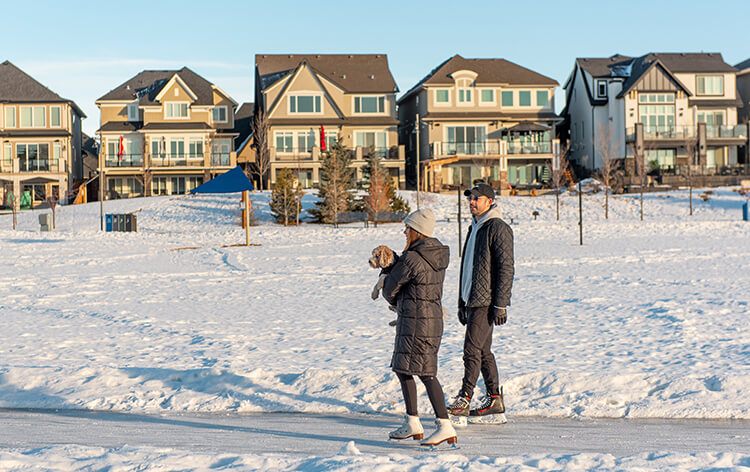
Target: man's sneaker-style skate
412,428
458,411
443,433
492,410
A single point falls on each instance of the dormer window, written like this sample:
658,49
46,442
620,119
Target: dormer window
601,89
709,85
176,110
464,91
305,104
369,104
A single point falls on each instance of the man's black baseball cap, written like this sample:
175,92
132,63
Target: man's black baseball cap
481,190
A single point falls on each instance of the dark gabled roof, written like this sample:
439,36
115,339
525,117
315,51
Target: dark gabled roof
147,84
18,86
743,65
31,133
243,123
88,144
716,103
189,125
691,61
600,66
363,73
348,121
489,71
121,126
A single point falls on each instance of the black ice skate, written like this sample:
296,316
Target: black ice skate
491,411
458,411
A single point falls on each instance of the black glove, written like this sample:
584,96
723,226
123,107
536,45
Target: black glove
499,315
463,316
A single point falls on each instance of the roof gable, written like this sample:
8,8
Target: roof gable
304,73
148,84
176,81
651,76
18,86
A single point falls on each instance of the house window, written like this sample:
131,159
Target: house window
178,185
376,140
542,98
284,141
193,182
660,158
442,96
656,98
464,95
54,117
507,97
175,110
305,140
220,114
331,138
10,117
159,186
656,112
710,85
56,150
304,104
465,139
195,148
156,148
133,112
487,96
8,152
177,148
369,104
524,98
33,117
601,89
33,157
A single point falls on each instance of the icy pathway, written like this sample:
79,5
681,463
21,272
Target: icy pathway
293,434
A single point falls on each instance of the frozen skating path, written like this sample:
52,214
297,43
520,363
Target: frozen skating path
306,434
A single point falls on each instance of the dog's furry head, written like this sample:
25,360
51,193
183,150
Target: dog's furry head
382,257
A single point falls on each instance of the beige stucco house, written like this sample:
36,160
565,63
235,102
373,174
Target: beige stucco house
40,140
487,119
347,96
164,132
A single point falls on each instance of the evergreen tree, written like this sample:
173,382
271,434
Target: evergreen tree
335,182
285,198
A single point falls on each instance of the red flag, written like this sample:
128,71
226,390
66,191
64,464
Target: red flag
119,151
322,138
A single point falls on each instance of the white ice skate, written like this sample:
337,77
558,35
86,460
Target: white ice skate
443,434
412,428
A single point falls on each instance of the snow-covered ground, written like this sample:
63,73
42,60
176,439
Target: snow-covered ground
648,319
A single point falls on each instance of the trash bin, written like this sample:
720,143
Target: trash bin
132,222
745,215
45,222
108,222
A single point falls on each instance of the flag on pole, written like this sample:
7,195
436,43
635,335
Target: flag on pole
119,151
322,138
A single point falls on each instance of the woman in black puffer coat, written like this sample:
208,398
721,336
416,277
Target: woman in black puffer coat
414,284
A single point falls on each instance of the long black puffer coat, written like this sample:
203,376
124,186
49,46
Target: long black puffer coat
415,286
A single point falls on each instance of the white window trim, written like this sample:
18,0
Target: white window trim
33,114
15,116
360,131
599,82
276,133
483,103
303,93
178,117
446,126
59,116
226,114
530,99
442,104
704,94
536,98
377,113
458,94
514,97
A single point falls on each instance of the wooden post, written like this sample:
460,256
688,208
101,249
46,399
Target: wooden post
419,171
246,202
580,212
459,221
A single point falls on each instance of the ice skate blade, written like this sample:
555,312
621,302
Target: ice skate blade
459,421
498,418
416,437
443,446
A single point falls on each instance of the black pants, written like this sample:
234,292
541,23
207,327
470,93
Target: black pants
434,392
478,353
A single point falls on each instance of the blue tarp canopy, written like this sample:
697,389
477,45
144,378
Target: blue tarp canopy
230,182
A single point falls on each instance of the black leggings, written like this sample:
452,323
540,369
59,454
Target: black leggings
434,392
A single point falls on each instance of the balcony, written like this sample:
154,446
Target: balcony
662,132
495,148
39,165
123,160
739,131
177,160
294,153
221,159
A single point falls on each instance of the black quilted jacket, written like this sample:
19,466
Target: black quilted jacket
415,285
493,270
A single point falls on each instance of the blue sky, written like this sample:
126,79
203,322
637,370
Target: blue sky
83,49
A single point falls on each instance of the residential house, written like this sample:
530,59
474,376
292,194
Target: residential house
659,107
40,139
743,113
351,97
243,127
164,132
487,119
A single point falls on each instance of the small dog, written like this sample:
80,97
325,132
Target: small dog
382,257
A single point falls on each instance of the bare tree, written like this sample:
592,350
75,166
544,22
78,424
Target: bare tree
380,188
260,143
691,147
560,175
607,149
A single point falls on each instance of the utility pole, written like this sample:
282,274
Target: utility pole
580,213
419,170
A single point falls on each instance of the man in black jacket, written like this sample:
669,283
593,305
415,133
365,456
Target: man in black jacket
484,293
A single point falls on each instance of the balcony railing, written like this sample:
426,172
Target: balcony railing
490,148
285,153
124,160
220,159
739,131
39,165
177,160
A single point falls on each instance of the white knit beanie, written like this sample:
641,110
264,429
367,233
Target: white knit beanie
421,220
